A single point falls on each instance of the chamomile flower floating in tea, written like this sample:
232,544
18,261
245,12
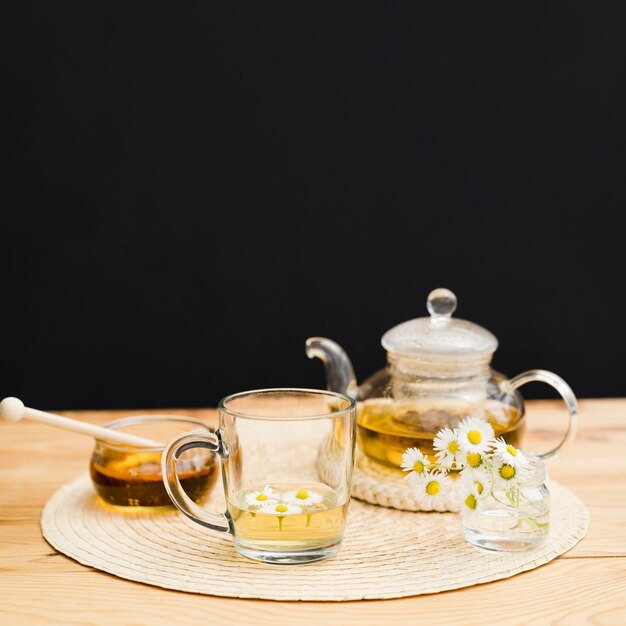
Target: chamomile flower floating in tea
303,497
280,509
259,498
447,447
475,435
415,462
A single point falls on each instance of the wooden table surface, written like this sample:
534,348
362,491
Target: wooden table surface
588,584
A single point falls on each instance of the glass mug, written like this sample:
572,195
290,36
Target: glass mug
287,459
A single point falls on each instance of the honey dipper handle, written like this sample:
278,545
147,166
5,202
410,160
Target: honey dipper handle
13,410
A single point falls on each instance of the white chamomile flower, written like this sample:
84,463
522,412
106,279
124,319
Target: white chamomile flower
506,476
470,503
415,462
280,508
470,459
509,454
479,479
447,447
432,489
260,498
475,435
303,497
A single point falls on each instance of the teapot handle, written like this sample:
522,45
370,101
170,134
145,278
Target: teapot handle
566,393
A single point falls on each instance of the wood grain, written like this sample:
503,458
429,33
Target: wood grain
588,584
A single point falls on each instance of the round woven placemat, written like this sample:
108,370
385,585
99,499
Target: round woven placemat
386,553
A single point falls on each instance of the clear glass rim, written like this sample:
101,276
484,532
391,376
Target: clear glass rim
537,473
351,403
145,419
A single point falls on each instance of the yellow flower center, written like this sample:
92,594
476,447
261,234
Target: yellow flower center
261,497
302,494
473,459
479,487
507,472
512,450
433,488
418,466
470,501
453,447
474,437
281,508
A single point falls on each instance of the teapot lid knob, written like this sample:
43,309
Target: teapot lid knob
439,336
441,304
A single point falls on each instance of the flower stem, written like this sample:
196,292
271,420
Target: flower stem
280,522
535,524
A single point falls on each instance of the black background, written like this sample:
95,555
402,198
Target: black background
193,189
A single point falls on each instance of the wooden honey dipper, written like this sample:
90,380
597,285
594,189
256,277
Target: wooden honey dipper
13,410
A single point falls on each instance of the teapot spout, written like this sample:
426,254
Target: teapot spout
339,371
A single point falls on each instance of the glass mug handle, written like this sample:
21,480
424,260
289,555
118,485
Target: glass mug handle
187,441
544,376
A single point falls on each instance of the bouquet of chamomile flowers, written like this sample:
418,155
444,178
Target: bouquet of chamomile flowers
487,466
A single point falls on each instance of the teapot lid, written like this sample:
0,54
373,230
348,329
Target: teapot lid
439,334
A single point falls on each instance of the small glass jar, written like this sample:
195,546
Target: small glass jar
129,477
513,519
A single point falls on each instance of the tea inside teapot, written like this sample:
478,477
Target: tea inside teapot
386,428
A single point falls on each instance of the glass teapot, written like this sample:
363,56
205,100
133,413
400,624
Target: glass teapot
438,372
